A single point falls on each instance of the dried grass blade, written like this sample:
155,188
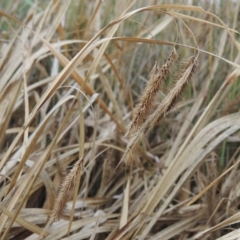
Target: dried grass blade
81,156
160,42
232,235
180,15
124,212
128,228
176,228
26,224
213,183
231,220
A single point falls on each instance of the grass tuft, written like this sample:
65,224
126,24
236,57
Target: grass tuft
74,75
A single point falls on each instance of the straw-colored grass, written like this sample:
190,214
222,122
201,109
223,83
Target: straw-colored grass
157,76
119,120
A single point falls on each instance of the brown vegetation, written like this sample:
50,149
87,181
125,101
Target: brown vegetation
74,75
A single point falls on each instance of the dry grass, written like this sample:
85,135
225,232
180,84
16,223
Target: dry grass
157,76
74,75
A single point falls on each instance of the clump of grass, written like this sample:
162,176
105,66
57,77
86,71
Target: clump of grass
60,48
